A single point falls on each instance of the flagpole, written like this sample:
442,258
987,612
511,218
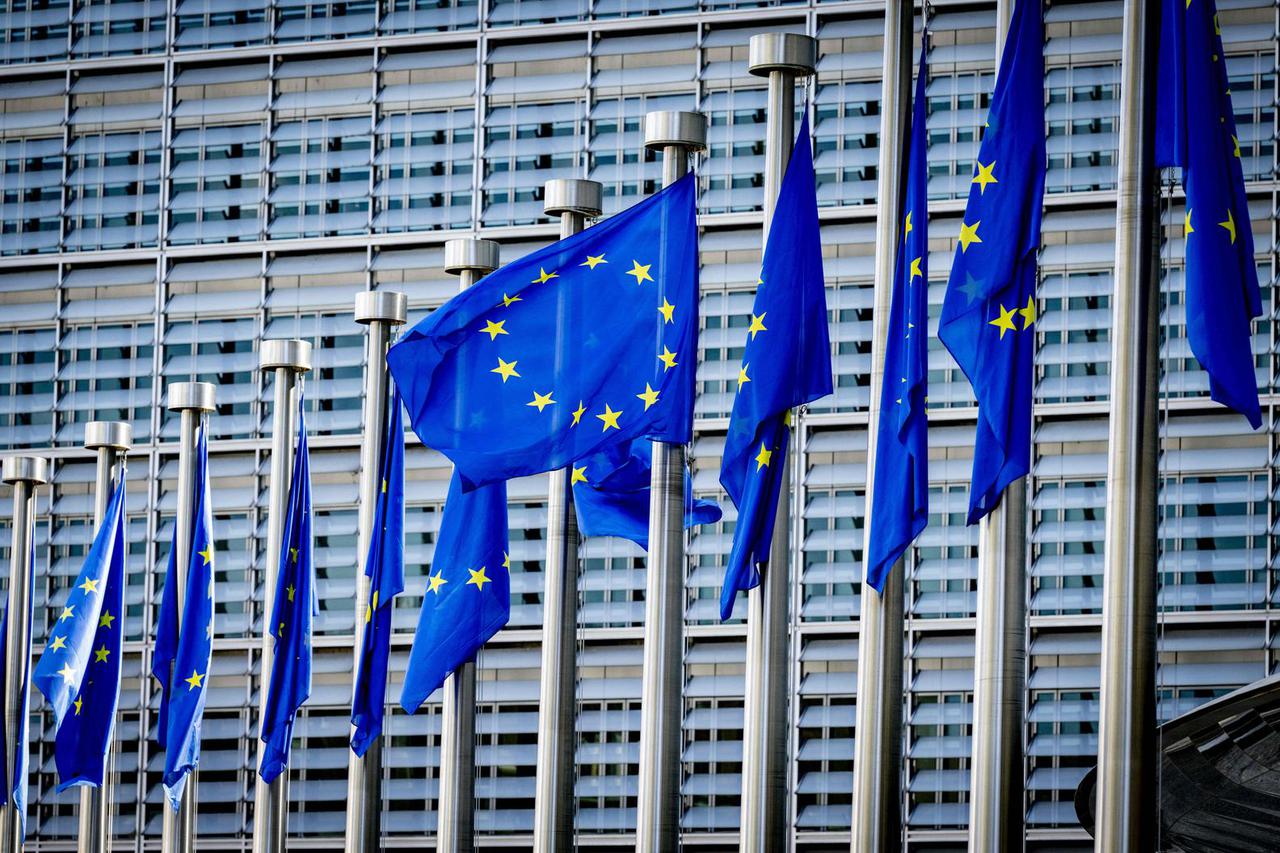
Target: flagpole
379,311
573,200
676,135
1127,752
287,360
25,474
111,440
191,400
782,58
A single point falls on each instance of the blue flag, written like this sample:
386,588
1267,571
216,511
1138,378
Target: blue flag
786,363
1196,129
13,788
901,493
589,341
468,594
385,567
79,672
611,492
183,654
989,311
295,608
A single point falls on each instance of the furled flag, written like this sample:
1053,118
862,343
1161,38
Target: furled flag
468,594
1197,131
786,363
989,311
291,617
14,788
611,492
79,672
900,496
384,566
590,341
186,646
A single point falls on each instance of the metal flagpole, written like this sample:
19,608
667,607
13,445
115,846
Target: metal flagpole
1127,752
25,474
111,440
379,310
996,807
676,135
877,764
287,360
191,400
573,200
782,58
470,260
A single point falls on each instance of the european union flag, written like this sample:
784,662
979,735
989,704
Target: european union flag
1197,131
14,788
79,672
385,568
989,311
187,648
900,496
589,341
468,594
295,607
786,363
611,492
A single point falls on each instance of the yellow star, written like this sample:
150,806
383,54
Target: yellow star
1186,223
969,234
577,413
668,359
668,311
372,606
280,633
757,325
436,581
743,378
1028,313
1235,140
195,679
68,674
207,553
384,485
58,643
640,271
579,475
1004,322
506,561
506,369
593,261
906,226
479,579
1230,225
89,585
106,619
610,418
289,590
101,654
293,554
544,276
649,396
507,301
78,703
763,457
67,612
541,401
493,329
984,177
915,268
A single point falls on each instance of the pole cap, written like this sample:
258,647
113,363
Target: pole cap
290,354
675,127
572,195
790,53
382,306
467,253
191,395
26,469
113,435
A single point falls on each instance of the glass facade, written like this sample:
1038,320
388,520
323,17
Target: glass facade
183,181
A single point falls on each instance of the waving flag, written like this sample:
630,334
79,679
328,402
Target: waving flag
385,568
786,363
79,672
989,311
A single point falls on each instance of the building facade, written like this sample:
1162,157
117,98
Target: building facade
184,179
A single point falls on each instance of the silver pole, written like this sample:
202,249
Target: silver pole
877,764
111,440
782,58
553,811
1127,751
379,310
191,400
676,135
470,260
25,474
288,360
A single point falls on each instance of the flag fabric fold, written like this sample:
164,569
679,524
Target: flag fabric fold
989,310
900,495
786,363
1196,130
384,566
